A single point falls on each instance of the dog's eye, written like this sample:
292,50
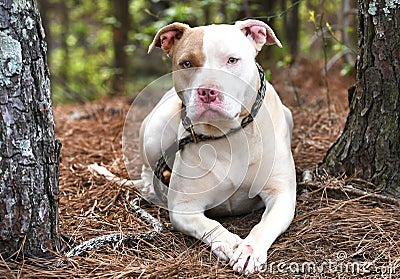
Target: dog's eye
186,64
232,60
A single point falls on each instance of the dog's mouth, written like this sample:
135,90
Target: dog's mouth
221,107
213,112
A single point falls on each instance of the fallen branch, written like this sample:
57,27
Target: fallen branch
96,243
116,238
307,179
147,217
111,177
358,192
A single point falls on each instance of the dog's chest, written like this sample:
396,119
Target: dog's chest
227,159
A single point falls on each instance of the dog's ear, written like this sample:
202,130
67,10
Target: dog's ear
167,36
258,33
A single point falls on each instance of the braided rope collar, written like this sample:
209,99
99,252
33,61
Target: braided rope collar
159,181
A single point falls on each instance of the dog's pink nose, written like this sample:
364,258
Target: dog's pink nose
207,95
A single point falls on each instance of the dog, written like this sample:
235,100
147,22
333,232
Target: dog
238,169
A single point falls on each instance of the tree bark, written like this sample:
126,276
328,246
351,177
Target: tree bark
29,153
45,8
369,146
292,31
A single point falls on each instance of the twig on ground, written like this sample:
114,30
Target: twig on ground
115,238
349,190
111,177
148,218
97,242
352,190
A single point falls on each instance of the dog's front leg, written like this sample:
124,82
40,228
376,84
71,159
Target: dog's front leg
209,231
251,254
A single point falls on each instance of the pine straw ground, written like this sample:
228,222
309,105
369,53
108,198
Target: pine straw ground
335,234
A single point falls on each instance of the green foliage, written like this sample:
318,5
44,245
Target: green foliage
287,59
329,27
81,50
81,55
347,68
268,75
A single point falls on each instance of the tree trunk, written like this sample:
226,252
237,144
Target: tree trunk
63,10
45,8
369,146
29,154
120,36
264,8
292,32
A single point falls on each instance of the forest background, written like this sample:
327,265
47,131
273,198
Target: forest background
98,62
99,48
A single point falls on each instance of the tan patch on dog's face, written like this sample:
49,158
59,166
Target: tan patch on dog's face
188,48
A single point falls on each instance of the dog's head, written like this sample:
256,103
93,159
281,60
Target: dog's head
215,73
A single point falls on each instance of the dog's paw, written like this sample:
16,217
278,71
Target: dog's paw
224,247
248,258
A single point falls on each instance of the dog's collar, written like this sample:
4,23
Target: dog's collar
195,138
158,179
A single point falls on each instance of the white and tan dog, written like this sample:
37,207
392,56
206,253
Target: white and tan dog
216,78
